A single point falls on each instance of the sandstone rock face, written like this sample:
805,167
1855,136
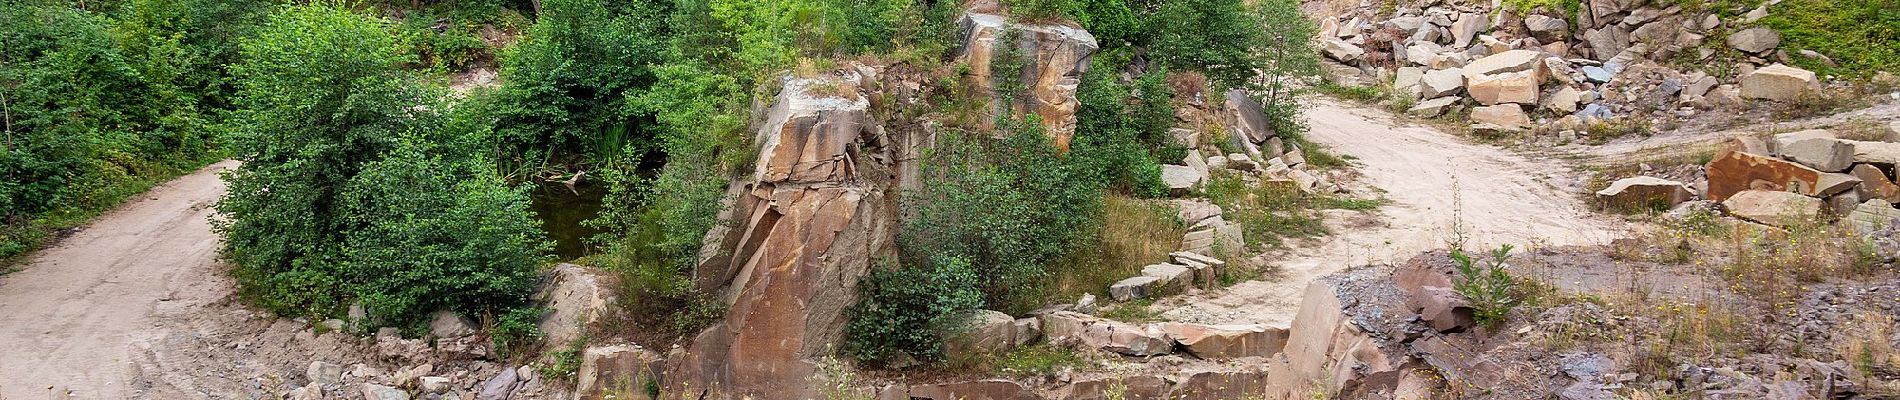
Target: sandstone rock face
1327,350
1773,207
576,298
1511,87
808,224
1642,192
1135,387
618,369
1778,82
1874,183
1114,336
1733,172
1058,56
989,389
1503,116
1227,341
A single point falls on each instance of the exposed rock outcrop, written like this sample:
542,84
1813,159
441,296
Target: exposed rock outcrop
815,213
1056,56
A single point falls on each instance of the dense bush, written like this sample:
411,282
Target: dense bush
907,310
341,196
97,109
1007,206
566,83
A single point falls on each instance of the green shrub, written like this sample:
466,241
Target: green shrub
1008,207
907,310
512,331
566,83
1491,291
1858,34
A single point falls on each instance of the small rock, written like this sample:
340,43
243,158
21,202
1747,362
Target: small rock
1133,288
1434,107
380,392
1440,83
1341,50
1778,82
323,373
1755,40
434,384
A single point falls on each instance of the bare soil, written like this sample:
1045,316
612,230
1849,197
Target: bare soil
1441,188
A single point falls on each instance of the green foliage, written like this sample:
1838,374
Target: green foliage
95,110
1008,207
1491,290
513,330
1858,34
340,199
1040,10
1041,360
1119,137
434,235
907,310
566,362
566,83
1218,37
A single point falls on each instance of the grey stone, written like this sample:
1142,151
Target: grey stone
1133,288
323,373
1823,154
1434,107
1596,74
1181,179
1771,207
380,392
500,387
1468,26
1873,215
1547,29
449,324
1777,143
1509,117
1175,279
1755,40
1509,61
1440,83
1341,50
1778,82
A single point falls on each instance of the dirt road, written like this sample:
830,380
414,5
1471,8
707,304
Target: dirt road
1432,178
73,317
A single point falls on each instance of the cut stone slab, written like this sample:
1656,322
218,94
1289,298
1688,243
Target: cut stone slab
1755,40
1509,61
1175,279
1780,141
1822,154
1547,29
1466,28
1406,80
1874,183
1110,335
1133,288
1775,208
1181,179
1643,192
1835,183
1733,172
1510,87
1227,341
1748,144
1434,107
1876,152
1505,116
1441,83
1779,83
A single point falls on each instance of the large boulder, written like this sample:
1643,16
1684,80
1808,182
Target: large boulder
1174,278
1509,87
1773,207
1058,56
1467,28
576,297
807,225
1778,82
1546,28
1822,154
1341,50
1440,83
1246,117
1182,179
980,332
1509,117
1873,215
1887,153
1643,192
1755,40
1110,335
1227,341
1333,346
1875,184
614,372
1782,141
1139,287
1733,172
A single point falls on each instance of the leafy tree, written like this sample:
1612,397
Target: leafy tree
320,97
1217,37
565,84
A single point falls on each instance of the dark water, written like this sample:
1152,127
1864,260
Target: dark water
561,212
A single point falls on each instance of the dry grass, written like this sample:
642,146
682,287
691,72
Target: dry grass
1868,348
1135,233
1775,268
1861,129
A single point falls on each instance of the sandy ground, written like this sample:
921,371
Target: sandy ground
77,314
1432,179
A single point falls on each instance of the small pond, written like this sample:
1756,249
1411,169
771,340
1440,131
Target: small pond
562,210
